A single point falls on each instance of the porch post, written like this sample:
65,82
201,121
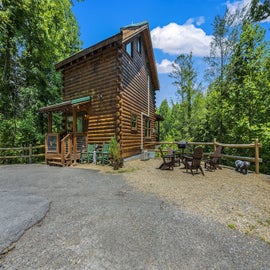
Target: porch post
49,122
74,128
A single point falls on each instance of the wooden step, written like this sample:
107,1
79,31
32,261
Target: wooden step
55,163
56,160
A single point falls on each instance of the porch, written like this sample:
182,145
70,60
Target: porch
65,151
64,148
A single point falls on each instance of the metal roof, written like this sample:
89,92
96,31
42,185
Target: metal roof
62,106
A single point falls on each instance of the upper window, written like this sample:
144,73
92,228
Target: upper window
129,48
139,45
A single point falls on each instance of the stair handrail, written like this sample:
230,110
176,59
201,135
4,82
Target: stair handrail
64,152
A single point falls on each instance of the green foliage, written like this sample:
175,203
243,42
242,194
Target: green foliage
114,152
236,107
114,148
184,116
35,34
259,10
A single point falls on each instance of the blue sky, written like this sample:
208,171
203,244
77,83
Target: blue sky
177,26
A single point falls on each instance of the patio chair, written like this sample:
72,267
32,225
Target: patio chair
168,161
212,162
88,155
103,155
194,161
177,159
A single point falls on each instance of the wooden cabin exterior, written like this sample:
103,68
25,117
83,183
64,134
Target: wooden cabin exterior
108,89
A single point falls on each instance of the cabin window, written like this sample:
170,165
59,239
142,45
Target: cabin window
147,128
139,45
133,122
129,48
81,123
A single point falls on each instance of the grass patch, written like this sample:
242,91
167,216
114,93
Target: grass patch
122,171
251,227
231,226
264,222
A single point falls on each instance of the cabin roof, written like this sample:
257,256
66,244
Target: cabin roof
126,33
65,105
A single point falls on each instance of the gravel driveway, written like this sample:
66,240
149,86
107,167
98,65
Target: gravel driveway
99,221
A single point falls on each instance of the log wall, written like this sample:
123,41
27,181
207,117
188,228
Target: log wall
96,76
135,80
120,86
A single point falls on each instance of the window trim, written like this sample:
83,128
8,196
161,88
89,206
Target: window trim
147,128
134,119
129,48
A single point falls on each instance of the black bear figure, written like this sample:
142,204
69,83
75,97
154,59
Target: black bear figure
242,166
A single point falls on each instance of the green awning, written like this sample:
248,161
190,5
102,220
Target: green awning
66,105
80,100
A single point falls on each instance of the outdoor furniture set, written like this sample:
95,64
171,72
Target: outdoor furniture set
93,154
191,161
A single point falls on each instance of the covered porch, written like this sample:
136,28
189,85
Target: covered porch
63,148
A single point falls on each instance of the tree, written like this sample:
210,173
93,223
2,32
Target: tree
248,81
185,80
259,11
165,126
35,34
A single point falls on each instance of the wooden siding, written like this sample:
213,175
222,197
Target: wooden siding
119,85
135,74
96,76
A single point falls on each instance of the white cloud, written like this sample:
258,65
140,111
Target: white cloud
165,66
200,21
177,39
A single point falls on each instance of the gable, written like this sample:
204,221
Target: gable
126,33
133,30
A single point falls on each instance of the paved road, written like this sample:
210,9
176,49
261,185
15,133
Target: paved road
19,211
98,221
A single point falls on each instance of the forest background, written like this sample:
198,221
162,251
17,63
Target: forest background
233,107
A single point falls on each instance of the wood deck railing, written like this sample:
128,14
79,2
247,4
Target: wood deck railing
256,146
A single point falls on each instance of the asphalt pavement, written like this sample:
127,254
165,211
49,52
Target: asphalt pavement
98,221
19,211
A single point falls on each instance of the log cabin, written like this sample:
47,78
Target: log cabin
108,90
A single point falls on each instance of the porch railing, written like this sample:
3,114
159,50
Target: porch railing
66,148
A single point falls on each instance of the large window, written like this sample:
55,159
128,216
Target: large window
81,123
147,128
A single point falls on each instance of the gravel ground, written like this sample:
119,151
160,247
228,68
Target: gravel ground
239,201
112,221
